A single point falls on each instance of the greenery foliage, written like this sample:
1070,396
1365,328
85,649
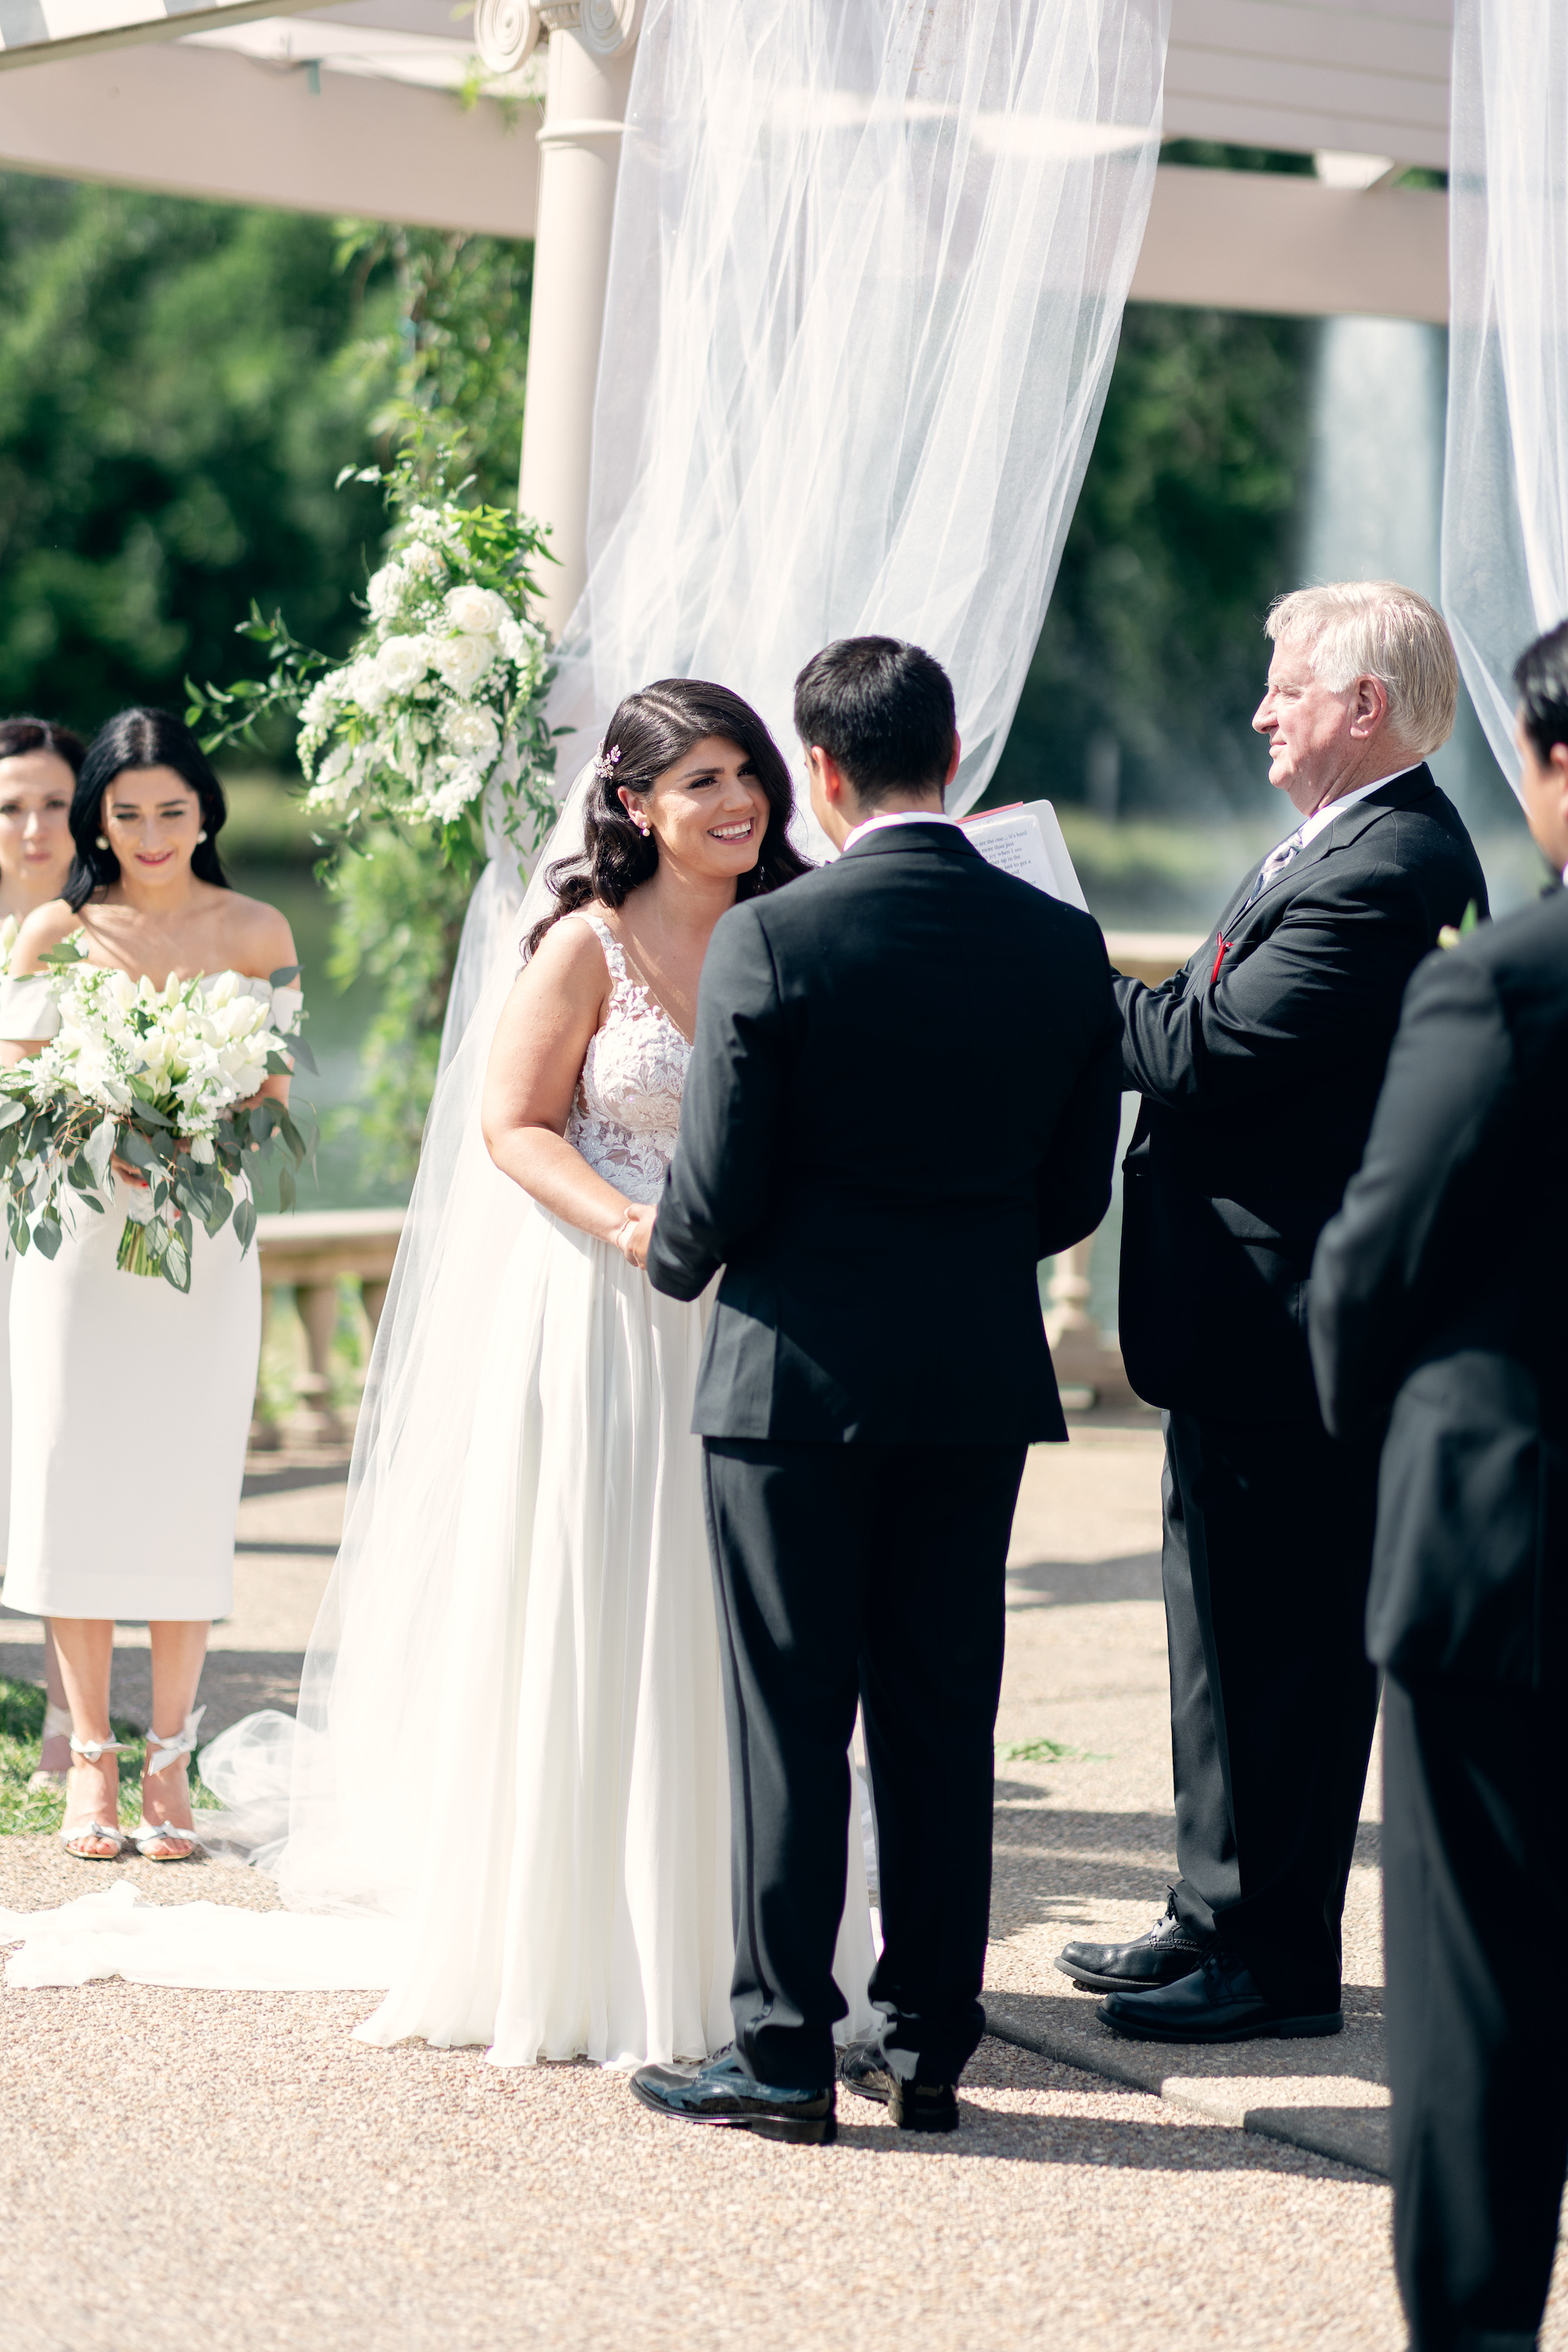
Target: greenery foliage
399,917
1182,536
174,400
446,368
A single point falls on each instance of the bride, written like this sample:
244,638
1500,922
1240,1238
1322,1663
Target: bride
575,1897
521,1612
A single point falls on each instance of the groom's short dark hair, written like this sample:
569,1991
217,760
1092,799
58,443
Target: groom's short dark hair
882,712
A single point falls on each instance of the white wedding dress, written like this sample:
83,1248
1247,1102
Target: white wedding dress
522,1625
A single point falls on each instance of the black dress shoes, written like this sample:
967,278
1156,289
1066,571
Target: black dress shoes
1168,1952
914,2106
1218,2002
723,2092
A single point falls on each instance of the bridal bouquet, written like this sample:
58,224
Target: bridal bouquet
157,1076
444,693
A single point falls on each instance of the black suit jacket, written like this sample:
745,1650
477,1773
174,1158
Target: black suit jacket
1440,1293
904,1093
1259,1066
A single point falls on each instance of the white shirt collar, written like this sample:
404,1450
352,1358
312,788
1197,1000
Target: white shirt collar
886,817
1310,826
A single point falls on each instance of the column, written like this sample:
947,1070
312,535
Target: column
591,43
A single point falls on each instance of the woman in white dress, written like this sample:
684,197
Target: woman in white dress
39,763
142,1527
574,1900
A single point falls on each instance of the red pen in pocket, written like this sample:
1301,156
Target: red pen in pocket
1218,960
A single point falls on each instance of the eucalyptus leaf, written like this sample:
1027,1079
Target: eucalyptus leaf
285,976
48,1236
12,1112
245,1223
176,1265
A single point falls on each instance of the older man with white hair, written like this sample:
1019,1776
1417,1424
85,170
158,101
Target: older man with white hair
1259,1066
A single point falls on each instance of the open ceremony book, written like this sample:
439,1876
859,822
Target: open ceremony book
1027,840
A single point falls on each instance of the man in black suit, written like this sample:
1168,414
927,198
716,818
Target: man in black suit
1440,1296
904,1094
1259,1066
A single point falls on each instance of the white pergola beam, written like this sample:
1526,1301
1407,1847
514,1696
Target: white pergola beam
1365,75
1265,241
197,121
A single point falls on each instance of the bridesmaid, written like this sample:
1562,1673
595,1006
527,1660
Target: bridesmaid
150,1535
39,765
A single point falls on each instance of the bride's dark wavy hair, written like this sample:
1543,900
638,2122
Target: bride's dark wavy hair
652,731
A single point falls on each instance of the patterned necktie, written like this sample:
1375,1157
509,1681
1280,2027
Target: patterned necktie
1274,865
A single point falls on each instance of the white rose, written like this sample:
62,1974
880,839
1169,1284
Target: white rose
461,661
469,727
364,683
403,662
386,591
478,612
421,561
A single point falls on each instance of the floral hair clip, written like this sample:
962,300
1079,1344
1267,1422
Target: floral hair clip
605,764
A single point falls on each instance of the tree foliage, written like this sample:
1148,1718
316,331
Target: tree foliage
173,406
1184,533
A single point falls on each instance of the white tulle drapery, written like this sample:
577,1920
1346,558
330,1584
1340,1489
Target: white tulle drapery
866,285
869,269
1505,501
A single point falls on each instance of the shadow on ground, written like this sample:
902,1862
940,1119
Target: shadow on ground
1072,1583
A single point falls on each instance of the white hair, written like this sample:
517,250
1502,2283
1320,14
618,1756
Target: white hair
1376,628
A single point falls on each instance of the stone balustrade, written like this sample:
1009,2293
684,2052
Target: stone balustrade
307,1254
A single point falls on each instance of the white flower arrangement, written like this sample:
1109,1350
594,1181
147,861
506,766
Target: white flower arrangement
156,1077
442,696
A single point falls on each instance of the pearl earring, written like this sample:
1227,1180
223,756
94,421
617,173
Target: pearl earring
203,834
103,841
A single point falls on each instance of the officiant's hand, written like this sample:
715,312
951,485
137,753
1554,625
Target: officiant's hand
635,1233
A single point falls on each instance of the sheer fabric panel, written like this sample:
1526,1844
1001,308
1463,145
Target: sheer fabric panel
1504,510
865,288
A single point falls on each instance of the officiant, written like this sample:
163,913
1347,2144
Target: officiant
1259,1066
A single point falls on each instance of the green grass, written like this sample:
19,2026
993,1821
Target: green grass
1048,1751
38,1812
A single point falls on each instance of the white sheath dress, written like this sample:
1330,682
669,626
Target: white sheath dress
130,1405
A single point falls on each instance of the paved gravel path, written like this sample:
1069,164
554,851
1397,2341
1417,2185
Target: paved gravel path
321,2195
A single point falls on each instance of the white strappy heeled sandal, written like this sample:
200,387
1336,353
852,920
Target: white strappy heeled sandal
147,1835
91,1750
56,1726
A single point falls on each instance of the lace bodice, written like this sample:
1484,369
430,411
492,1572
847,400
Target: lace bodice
628,1103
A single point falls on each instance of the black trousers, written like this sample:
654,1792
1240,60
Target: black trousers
1476,1917
1268,1555
870,1573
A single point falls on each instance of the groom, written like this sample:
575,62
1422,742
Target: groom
904,1094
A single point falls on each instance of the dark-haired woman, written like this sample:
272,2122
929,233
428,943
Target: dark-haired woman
117,1512
575,1898
38,767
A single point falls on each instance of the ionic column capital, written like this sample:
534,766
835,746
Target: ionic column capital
605,28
